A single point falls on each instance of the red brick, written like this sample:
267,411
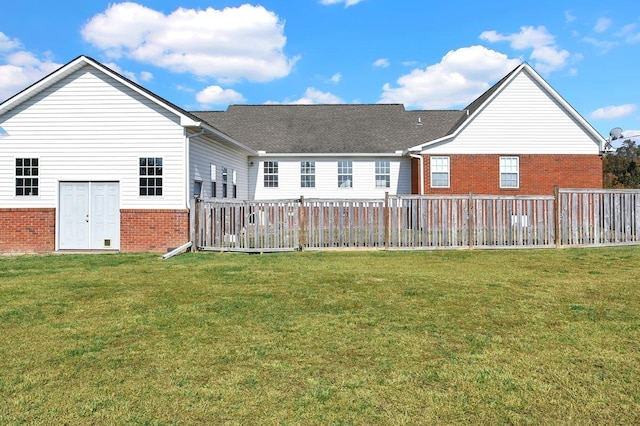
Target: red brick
480,174
34,230
27,230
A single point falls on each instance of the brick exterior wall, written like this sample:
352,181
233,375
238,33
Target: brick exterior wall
480,174
27,230
34,230
153,230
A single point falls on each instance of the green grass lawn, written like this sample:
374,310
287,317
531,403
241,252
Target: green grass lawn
492,337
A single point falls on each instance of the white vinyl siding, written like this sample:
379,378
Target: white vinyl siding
522,119
89,127
440,172
509,172
208,158
326,179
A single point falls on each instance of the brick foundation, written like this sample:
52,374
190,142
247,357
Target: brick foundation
27,230
480,174
153,230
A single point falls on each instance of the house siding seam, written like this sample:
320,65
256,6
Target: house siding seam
480,174
153,230
27,230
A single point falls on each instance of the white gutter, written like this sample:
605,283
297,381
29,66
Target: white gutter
421,158
331,154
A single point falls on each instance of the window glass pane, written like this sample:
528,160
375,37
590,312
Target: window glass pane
150,166
440,179
345,177
509,180
307,174
439,172
26,167
270,174
509,172
383,173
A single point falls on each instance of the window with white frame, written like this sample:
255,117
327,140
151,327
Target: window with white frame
383,174
150,176
234,180
345,174
307,174
26,176
214,178
270,174
440,172
509,172
225,177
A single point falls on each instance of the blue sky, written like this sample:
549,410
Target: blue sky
426,55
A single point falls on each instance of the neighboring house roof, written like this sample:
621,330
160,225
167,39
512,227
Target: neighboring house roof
339,129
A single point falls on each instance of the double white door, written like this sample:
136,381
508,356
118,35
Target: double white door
89,216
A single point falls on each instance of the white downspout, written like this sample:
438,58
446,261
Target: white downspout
421,159
187,153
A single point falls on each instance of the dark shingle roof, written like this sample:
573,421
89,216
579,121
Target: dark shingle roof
353,128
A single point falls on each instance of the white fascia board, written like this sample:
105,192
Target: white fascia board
421,147
332,154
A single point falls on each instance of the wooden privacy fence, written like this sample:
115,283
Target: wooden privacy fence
568,218
598,217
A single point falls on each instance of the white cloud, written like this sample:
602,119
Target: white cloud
115,67
460,77
312,96
631,133
568,17
603,45
629,33
347,3
146,76
381,63
546,54
613,111
21,69
234,43
336,78
216,95
183,88
602,25
7,44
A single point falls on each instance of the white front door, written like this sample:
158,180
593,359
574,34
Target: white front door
89,216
